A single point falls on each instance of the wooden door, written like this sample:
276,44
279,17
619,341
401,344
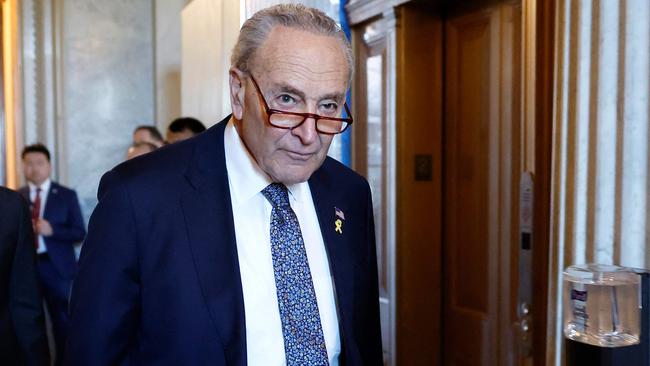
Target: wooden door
482,162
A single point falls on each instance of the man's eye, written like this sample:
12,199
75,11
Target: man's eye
329,107
286,99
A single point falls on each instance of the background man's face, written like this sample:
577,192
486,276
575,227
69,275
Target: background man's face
297,71
143,135
36,167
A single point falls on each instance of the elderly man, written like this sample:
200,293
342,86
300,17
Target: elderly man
259,250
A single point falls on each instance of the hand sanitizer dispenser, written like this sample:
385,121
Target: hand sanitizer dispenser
605,316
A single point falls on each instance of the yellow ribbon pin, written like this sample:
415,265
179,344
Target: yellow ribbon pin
338,224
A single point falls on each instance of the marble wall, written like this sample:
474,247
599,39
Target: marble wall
92,71
108,86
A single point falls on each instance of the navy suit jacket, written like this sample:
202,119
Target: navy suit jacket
64,215
159,280
22,324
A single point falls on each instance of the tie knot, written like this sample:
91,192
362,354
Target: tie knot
277,194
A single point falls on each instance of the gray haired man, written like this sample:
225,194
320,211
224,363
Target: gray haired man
258,249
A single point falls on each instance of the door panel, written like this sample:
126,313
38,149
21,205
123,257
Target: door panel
481,161
467,245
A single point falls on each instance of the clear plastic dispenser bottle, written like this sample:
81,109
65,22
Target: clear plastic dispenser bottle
604,315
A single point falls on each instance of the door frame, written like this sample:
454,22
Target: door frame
545,23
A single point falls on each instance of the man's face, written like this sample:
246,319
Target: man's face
36,167
143,135
173,137
297,71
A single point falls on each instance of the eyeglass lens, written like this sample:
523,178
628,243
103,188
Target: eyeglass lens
323,125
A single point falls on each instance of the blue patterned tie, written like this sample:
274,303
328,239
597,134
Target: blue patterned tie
304,343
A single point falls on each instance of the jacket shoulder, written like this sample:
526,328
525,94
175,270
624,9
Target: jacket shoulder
170,161
163,172
160,163
11,200
62,189
338,174
24,191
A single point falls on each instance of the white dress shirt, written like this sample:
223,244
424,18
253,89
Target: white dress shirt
45,189
252,218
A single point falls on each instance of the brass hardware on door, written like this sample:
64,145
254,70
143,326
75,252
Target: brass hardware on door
423,167
525,294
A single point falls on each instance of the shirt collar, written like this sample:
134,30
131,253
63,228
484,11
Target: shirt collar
45,187
244,174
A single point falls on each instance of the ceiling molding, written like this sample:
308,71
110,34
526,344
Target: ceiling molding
360,11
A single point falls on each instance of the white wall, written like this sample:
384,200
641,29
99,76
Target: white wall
209,32
167,58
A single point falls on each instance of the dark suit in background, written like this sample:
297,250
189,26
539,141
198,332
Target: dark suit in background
58,267
23,340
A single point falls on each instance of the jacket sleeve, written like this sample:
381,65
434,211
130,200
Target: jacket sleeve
105,307
25,302
73,230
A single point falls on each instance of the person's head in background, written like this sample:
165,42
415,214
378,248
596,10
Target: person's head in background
36,163
149,134
139,148
183,128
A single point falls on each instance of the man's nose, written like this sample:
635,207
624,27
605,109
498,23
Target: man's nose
306,132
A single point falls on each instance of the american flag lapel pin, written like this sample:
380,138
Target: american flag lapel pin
340,217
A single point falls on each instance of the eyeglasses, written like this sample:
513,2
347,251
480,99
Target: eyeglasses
291,120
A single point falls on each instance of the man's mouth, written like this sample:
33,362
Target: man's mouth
299,156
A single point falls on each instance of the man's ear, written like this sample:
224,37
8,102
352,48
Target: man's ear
237,92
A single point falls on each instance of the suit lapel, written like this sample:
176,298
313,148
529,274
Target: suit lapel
52,197
50,202
341,260
208,213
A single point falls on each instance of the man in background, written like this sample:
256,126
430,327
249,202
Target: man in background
148,134
183,128
23,340
58,226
